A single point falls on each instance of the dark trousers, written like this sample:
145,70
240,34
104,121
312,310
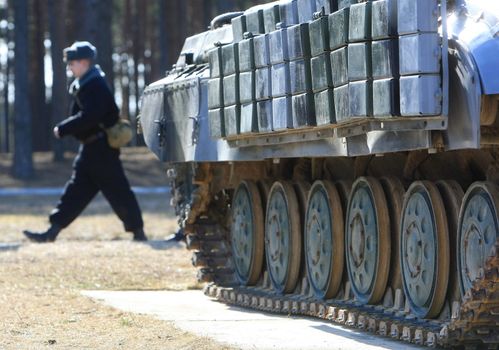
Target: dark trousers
98,168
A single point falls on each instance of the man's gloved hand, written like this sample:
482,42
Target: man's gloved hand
56,133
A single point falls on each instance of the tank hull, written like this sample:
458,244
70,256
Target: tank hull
366,194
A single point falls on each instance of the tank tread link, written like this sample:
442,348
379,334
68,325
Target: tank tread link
343,164
473,323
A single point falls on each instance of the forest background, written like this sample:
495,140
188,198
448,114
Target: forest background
137,42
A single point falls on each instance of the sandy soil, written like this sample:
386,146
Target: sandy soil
40,301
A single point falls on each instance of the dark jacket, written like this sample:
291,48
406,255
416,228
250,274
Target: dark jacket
93,107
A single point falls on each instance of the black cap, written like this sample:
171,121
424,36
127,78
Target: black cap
80,50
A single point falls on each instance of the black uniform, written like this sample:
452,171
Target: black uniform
97,166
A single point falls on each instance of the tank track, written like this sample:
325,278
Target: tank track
211,253
474,324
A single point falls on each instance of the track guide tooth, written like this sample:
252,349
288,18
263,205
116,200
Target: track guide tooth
419,337
431,340
278,306
286,307
362,322
351,319
473,322
395,331
407,334
331,313
322,311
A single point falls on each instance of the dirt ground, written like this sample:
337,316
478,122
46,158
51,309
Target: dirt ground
40,302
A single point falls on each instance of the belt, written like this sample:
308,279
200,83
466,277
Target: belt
93,137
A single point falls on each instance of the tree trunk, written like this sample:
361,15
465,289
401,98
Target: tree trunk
102,38
197,22
124,69
138,58
175,28
23,158
5,122
224,6
59,102
39,118
208,12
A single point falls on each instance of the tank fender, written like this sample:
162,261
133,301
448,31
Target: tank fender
476,27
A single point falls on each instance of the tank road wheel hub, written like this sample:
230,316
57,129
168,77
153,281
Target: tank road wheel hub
424,249
247,233
368,240
478,231
324,240
282,237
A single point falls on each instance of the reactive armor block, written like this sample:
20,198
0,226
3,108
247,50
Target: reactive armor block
359,61
420,95
230,58
321,72
246,55
345,3
384,19
216,119
360,98
278,41
232,115
339,66
215,60
386,97
300,78
417,16
239,28
215,93
420,53
261,51
288,11
303,110
360,22
254,21
249,122
324,107
271,16
231,89
264,114
306,9
319,36
341,106
338,28
298,41
325,6
281,84
247,86
282,113
263,83
385,59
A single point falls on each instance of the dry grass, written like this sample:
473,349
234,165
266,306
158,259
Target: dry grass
97,222
40,301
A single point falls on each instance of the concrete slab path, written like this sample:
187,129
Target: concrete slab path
194,312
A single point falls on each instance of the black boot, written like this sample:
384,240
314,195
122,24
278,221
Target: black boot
139,235
48,236
177,236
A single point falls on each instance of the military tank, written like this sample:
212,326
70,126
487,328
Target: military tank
339,159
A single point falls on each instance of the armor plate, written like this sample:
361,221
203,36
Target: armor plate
420,95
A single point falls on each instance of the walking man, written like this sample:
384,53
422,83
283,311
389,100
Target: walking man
97,166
